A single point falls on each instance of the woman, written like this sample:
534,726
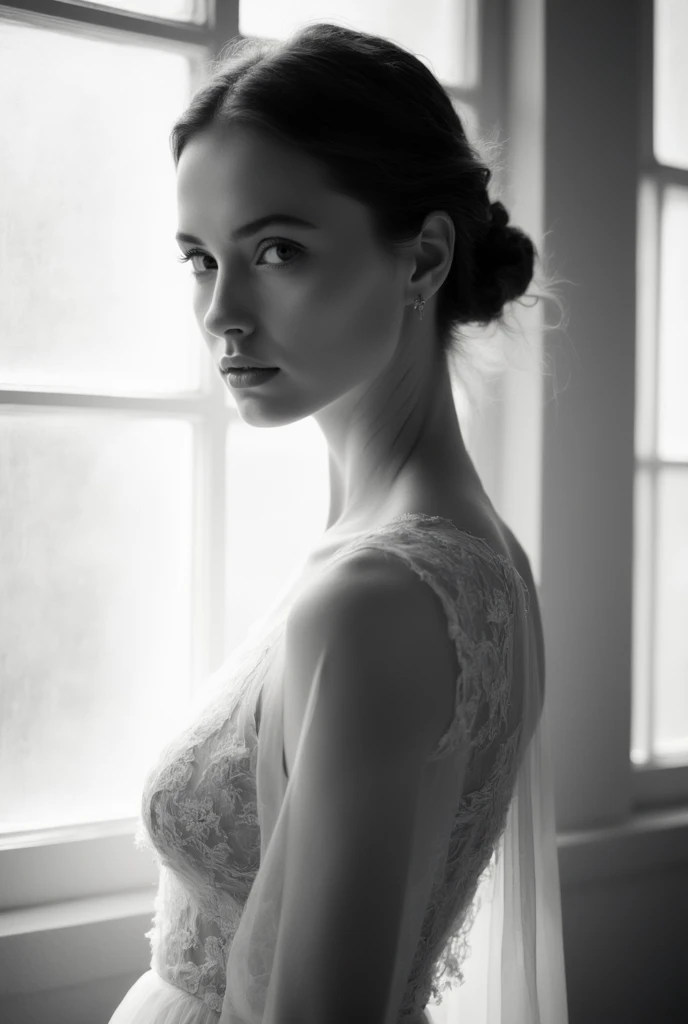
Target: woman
358,814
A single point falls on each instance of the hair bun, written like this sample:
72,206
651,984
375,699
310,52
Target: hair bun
503,266
500,215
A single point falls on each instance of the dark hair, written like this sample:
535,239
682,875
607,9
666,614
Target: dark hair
387,134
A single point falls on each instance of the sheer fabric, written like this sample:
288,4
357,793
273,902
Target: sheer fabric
216,811
152,1000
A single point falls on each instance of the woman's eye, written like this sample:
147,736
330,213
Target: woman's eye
190,255
273,244
279,245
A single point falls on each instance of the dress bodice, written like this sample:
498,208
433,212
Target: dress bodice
212,799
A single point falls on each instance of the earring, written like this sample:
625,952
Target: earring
419,304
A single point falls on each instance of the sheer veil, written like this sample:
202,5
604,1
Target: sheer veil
514,968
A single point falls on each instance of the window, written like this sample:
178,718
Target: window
128,472
443,33
660,659
103,404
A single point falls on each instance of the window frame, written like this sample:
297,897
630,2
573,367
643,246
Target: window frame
574,511
48,866
657,781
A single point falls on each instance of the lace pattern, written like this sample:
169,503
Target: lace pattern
199,816
488,593
199,807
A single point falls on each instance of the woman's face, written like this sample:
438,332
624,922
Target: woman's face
324,304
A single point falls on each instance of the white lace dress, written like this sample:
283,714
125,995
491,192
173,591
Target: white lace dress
213,800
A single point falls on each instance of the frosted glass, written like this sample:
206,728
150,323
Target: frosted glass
92,297
672,440
173,10
441,33
671,82
643,611
277,502
95,543
671,616
647,288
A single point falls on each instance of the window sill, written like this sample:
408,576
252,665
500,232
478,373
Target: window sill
75,942
76,913
68,865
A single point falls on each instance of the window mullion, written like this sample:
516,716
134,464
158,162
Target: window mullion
174,405
210,540
107,22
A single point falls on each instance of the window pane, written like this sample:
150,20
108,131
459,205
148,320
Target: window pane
91,295
673,350
643,605
671,615
95,542
277,501
671,82
647,289
173,10
442,33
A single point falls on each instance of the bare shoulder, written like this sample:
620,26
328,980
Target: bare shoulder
372,593
384,632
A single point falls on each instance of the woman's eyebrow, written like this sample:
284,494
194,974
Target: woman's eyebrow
253,226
